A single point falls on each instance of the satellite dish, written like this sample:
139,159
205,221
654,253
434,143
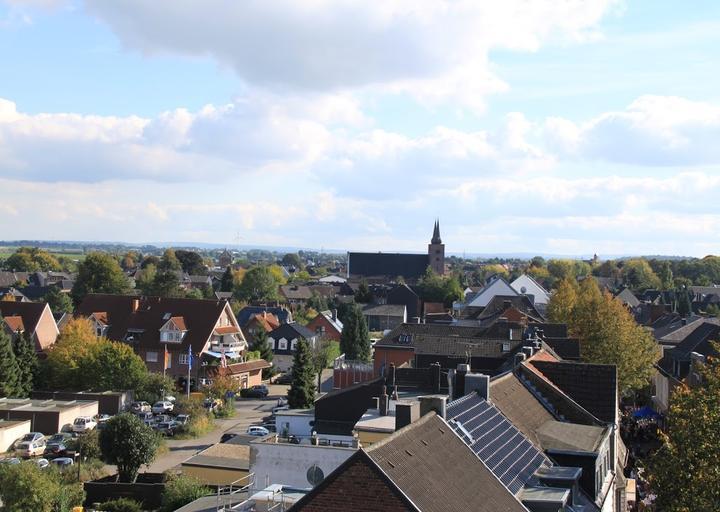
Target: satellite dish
523,290
315,475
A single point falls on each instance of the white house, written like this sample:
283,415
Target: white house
497,287
526,285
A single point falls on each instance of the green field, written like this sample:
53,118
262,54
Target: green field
7,251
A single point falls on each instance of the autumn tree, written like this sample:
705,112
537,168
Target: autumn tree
169,262
607,332
638,275
563,300
31,259
684,472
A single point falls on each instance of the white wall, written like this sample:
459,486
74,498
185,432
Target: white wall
10,434
298,425
287,464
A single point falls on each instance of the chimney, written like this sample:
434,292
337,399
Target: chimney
383,402
459,387
334,315
528,351
519,358
406,413
437,403
135,305
478,382
435,372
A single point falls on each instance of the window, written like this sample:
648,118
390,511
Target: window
282,344
293,343
506,347
99,331
183,359
272,343
151,357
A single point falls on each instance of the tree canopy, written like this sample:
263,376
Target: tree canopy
355,339
31,259
638,275
128,443
99,273
607,332
684,472
10,375
27,362
191,262
25,487
301,394
58,301
258,284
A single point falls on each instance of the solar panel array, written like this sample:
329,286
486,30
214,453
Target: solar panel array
495,440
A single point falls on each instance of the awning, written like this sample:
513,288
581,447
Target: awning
228,354
646,412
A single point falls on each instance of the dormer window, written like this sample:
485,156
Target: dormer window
173,331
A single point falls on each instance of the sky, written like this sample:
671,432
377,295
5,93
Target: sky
525,126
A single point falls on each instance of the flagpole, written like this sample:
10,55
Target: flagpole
165,356
189,368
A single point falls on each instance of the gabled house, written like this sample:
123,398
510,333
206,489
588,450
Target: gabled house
34,318
383,317
424,467
283,342
265,322
281,313
526,285
326,325
201,329
498,286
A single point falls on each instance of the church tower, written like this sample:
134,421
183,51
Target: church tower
436,251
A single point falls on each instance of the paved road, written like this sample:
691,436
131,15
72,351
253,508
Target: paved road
248,411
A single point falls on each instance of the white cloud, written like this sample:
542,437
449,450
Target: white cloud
436,50
653,131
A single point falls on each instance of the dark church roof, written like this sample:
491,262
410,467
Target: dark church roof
436,234
387,264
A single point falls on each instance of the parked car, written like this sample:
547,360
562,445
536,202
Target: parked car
162,407
170,398
102,418
140,407
62,463
227,436
257,391
166,428
10,460
84,424
285,378
28,438
30,448
182,419
57,445
162,418
146,417
257,430
42,463
270,426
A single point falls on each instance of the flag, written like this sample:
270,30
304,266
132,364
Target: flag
223,360
189,358
166,359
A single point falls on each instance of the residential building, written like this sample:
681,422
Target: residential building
46,416
283,341
526,285
185,328
245,375
326,325
34,318
219,464
384,317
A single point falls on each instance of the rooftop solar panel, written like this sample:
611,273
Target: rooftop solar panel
495,440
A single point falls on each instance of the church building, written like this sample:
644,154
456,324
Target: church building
380,265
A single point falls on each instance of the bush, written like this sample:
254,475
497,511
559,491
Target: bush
227,409
25,486
121,505
89,445
181,490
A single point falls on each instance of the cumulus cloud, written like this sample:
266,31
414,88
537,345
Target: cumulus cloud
651,131
436,50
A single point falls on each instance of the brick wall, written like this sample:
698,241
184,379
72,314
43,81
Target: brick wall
357,489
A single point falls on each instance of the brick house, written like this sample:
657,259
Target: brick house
32,317
246,374
151,325
326,325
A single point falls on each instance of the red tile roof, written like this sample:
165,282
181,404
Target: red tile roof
247,366
179,322
15,323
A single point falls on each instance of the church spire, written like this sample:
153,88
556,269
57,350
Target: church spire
436,233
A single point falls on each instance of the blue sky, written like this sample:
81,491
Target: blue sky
537,127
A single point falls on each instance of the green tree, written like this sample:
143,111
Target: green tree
128,443
31,259
154,387
27,363
191,262
227,281
166,284
58,301
683,302
431,287
151,259
638,275
355,339
181,490
259,284
99,273
113,366
684,471
323,354
537,261
88,445
363,295
145,280
292,260
130,260
665,274
301,394
262,346
169,262
452,291
562,302
10,376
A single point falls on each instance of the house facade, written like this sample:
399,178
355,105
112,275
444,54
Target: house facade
283,342
34,318
171,335
326,325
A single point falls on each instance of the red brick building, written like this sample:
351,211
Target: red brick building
326,325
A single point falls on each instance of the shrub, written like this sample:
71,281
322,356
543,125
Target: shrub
181,490
121,505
